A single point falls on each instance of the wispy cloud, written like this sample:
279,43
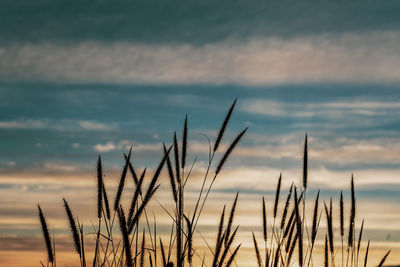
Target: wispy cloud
94,126
273,108
60,125
60,167
23,124
126,145
368,57
324,109
76,145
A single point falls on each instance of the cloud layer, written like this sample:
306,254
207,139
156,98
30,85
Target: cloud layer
354,58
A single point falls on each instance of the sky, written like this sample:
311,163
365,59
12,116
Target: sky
83,78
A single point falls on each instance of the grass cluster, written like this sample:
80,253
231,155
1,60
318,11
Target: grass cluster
290,240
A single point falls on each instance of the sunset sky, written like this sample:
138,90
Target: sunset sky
83,78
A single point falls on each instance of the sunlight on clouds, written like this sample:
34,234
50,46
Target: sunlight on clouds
81,194
239,174
341,150
370,57
60,167
109,146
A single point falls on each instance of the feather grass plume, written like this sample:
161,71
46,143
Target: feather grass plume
136,196
150,191
132,170
82,245
125,237
276,259
330,228
326,254
286,208
171,177
73,228
176,155
292,247
227,246
179,256
288,225
142,251
267,257
99,187
258,256
106,203
366,255
229,151
229,262
156,175
299,228
305,163
353,198
314,228
220,226
218,249
139,211
184,143
223,127
230,220
384,259
360,238
264,216
352,215
122,182
290,235
341,208
46,236
277,194
189,239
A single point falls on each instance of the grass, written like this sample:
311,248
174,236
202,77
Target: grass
290,240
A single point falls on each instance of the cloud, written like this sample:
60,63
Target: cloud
9,163
109,146
339,151
76,145
59,125
27,124
21,213
325,109
60,167
55,176
272,108
354,58
126,145
94,126
323,151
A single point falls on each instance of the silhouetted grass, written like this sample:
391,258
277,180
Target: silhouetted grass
289,240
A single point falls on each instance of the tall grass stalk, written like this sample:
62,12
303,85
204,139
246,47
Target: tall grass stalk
288,241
